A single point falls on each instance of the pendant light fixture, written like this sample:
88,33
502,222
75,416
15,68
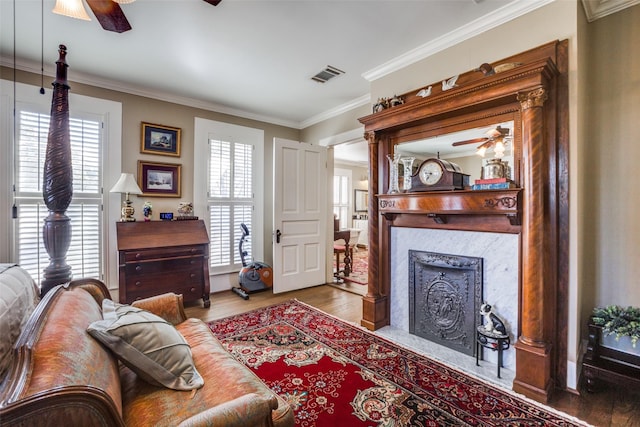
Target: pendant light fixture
72,9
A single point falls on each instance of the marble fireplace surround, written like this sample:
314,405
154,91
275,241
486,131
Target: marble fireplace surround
500,253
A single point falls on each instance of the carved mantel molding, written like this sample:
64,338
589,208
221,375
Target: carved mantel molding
535,98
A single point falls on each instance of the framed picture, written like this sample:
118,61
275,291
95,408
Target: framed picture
361,199
159,179
159,139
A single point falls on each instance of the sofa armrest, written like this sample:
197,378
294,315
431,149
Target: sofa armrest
169,306
248,410
95,287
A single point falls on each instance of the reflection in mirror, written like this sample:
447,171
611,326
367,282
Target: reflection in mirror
361,198
471,149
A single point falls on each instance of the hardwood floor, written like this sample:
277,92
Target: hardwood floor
609,407
345,305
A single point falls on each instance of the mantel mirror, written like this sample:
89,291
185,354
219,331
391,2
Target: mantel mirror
481,151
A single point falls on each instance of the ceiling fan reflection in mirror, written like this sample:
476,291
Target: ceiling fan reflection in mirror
107,12
496,138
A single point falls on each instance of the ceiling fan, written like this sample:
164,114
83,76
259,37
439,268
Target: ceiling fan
107,12
496,138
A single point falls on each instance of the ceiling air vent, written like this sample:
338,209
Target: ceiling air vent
328,73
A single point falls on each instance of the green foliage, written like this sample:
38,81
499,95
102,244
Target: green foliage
619,321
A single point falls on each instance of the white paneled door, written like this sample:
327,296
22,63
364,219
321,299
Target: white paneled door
300,215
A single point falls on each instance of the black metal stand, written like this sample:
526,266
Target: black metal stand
492,341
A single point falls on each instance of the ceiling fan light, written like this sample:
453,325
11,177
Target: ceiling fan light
499,149
481,151
72,9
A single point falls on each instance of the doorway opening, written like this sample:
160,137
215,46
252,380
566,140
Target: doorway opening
350,193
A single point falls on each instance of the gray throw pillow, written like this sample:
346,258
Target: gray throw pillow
149,345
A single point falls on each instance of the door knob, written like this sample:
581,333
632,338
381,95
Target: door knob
278,234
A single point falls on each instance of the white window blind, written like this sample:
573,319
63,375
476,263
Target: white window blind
341,193
231,201
85,210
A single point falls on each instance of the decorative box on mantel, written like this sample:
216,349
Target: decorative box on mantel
442,207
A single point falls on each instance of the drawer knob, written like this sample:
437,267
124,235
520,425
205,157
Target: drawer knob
193,290
193,261
138,268
192,275
138,255
138,283
193,250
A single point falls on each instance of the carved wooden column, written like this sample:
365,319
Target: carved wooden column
57,186
537,314
375,302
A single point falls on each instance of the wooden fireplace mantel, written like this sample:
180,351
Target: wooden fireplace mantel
534,95
443,206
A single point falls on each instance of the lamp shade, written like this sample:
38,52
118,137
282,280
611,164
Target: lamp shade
126,184
72,9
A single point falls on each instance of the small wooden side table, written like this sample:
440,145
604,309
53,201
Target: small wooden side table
492,341
608,364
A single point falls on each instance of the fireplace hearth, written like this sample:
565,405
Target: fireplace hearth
445,293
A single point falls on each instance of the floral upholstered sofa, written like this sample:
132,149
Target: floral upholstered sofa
61,374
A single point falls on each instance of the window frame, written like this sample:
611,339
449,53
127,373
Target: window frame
206,130
348,206
110,113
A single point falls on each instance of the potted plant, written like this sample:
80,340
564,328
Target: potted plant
620,327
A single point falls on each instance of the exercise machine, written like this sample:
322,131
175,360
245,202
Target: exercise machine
255,276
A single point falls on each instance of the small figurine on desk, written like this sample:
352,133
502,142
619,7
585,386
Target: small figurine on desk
147,211
185,208
185,211
492,323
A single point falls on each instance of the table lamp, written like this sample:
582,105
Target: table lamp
127,185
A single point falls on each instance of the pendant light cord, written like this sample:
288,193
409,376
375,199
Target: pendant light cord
14,208
42,47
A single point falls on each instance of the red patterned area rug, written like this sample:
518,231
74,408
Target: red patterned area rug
359,267
336,374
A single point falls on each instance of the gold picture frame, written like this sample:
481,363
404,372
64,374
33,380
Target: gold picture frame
160,139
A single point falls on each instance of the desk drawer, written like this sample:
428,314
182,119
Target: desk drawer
156,253
165,279
164,266
189,292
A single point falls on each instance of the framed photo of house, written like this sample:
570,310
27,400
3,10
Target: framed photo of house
159,139
159,179
361,200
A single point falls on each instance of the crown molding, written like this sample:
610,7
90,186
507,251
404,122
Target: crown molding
500,16
350,136
92,80
596,9
504,14
339,162
358,102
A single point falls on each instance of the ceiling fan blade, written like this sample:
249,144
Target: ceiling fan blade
213,2
470,141
110,15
